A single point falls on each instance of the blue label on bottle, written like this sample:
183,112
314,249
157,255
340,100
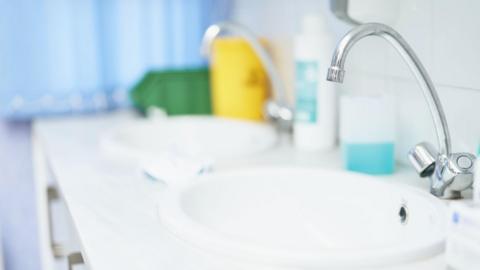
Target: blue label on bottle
306,85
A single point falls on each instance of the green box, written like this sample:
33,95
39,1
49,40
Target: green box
178,92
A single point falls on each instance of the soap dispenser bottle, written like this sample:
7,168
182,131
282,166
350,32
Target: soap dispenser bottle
315,98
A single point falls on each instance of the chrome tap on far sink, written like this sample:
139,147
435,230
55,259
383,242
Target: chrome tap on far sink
450,173
276,110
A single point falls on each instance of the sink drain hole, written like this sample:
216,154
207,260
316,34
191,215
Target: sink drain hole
403,214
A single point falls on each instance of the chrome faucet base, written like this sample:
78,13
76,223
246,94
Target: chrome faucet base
449,175
448,195
280,114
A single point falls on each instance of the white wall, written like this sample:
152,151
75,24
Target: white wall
444,33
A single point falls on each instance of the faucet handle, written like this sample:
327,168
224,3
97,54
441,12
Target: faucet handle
455,174
423,158
462,164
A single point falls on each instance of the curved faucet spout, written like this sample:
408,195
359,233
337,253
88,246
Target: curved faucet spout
278,110
336,72
450,173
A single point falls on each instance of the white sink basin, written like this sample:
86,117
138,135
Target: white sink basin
305,218
202,136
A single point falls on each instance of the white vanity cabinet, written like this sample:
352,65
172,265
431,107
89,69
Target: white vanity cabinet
60,248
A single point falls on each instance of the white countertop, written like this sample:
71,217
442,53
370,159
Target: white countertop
113,207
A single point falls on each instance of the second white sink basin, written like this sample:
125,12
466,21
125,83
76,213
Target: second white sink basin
202,136
305,218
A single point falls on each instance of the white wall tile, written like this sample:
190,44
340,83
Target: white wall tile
369,55
456,43
462,110
415,124
414,23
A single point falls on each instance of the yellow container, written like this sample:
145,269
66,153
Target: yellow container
238,80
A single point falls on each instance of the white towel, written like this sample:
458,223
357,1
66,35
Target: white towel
174,168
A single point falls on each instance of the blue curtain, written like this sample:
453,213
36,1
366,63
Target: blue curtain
74,56
64,56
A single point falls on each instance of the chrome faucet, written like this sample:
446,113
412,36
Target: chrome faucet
276,110
450,173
